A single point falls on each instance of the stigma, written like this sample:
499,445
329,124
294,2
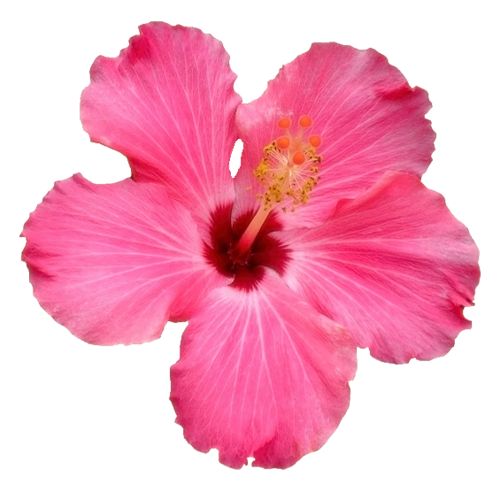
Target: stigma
289,169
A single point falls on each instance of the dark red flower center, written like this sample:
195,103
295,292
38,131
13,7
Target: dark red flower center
245,269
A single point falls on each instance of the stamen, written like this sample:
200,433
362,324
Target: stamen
288,172
289,168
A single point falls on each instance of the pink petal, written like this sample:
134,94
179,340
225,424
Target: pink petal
261,374
167,102
393,266
369,119
113,262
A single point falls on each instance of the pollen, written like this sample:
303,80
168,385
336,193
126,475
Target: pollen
289,169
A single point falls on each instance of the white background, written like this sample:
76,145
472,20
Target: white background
75,417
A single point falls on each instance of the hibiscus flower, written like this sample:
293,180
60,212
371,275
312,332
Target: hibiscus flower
325,241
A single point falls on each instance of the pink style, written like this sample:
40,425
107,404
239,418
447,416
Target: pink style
325,241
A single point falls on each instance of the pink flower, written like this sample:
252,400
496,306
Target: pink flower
326,239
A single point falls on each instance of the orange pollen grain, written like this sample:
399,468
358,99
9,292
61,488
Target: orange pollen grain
315,140
299,157
283,142
285,122
305,121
